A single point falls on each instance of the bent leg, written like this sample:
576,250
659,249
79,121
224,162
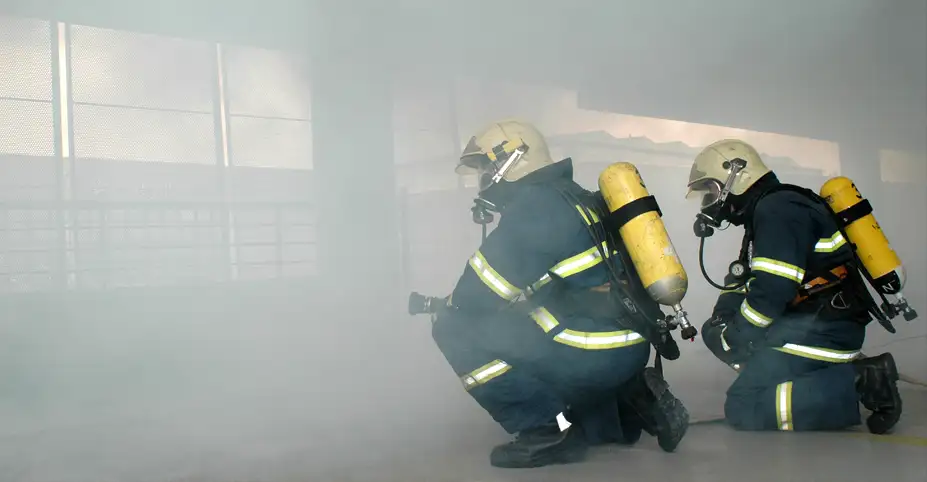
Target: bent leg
779,391
508,391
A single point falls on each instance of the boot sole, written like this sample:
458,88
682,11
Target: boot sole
542,459
880,423
672,416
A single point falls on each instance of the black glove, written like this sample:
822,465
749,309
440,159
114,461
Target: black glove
712,332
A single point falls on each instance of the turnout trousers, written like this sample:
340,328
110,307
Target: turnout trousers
808,385
526,370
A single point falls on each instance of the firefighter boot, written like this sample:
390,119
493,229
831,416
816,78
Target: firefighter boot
544,445
662,414
876,383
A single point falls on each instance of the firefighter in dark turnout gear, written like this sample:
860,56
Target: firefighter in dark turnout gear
794,324
526,328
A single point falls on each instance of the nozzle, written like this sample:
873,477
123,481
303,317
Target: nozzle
420,304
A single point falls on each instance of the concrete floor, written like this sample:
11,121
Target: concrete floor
149,449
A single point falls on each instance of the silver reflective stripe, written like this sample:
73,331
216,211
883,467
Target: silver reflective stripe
753,316
820,354
492,279
831,244
598,340
485,373
724,344
784,406
778,268
589,258
544,319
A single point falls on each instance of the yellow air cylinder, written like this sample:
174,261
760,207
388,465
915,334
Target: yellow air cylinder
878,258
644,235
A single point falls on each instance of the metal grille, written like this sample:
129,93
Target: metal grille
275,240
30,248
269,108
149,244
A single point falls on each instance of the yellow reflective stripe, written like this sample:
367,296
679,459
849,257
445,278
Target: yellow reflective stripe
572,265
592,214
544,319
742,290
778,268
484,374
820,354
831,244
724,344
493,280
784,406
599,340
753,316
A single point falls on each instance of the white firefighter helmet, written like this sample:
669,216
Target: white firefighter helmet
729,163
506,150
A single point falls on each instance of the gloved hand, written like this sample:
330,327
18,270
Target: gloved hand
713,334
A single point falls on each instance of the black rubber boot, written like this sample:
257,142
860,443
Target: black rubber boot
663,415
632,425
537,447
877,385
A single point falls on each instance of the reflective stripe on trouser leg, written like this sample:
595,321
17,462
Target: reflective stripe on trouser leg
484,374
784,406
820,354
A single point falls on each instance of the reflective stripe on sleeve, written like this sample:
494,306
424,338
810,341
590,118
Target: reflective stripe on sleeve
831,244
484,374
582,212
778,268
492,279
589,258
599,340
753,316
784,406
742,290
724,345
820,354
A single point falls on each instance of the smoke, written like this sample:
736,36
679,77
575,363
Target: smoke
291,375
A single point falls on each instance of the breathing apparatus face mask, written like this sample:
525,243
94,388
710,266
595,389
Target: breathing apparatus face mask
716,206
490,174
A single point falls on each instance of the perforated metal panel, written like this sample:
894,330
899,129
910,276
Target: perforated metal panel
269,105
25,59
142,97
266,83
25,88
103,132
111,67
26,127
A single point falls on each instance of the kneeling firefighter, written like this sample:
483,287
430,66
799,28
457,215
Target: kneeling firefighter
534,328
793,312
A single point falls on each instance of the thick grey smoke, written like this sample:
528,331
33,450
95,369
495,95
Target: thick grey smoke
187,370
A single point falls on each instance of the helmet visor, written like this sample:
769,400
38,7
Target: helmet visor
708,189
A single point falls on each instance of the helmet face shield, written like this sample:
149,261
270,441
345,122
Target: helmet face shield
709,190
